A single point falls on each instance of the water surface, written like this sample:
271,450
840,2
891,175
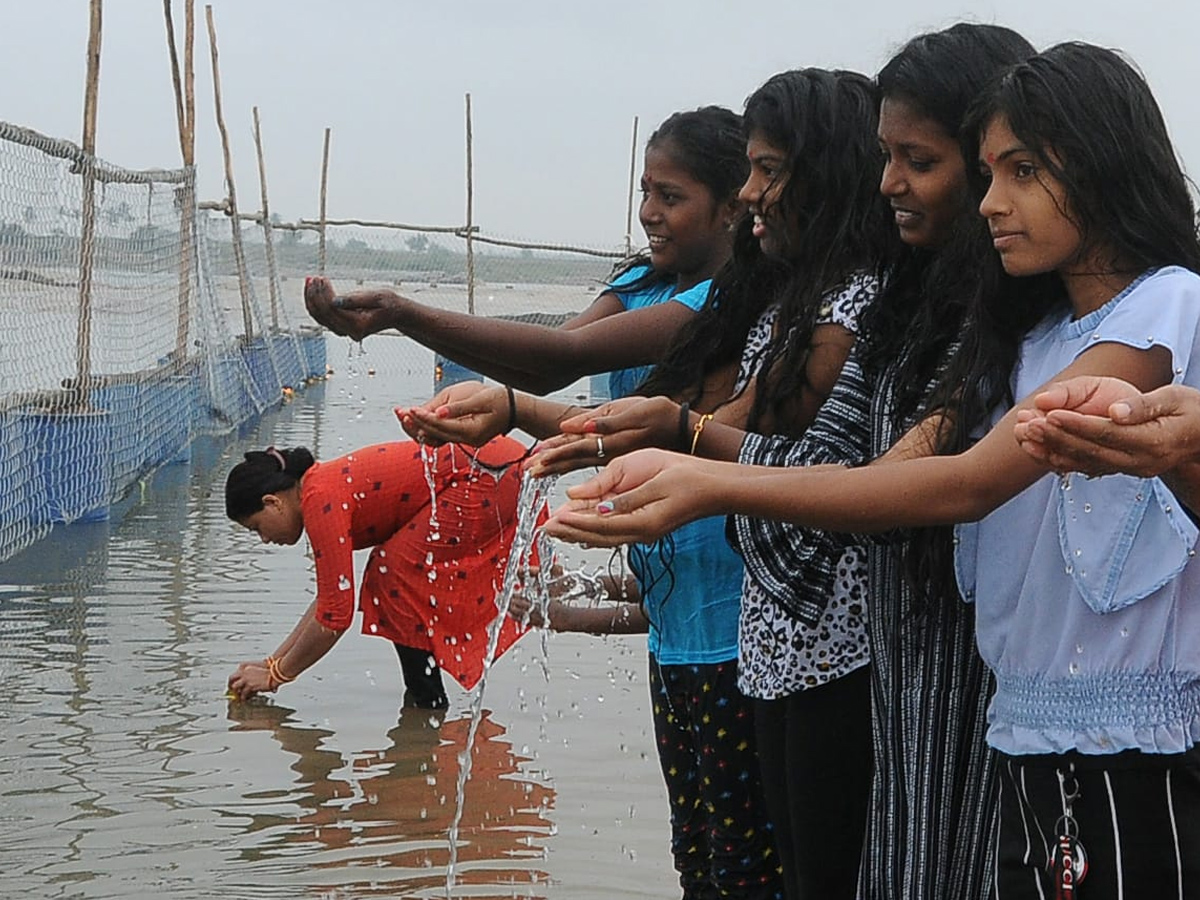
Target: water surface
125,773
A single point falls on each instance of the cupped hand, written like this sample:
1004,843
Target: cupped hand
354,315
616,428
470,412
637,498
1100,426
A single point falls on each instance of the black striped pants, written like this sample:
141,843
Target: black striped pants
1138,817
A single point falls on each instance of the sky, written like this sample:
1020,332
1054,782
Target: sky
555,87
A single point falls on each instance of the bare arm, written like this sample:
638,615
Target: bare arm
534,358
308,642
639,499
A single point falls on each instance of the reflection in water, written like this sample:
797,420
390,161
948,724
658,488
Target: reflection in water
123,778
389,813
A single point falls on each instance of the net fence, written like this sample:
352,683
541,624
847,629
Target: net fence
133,318
121,335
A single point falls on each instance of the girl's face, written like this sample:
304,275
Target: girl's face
924,176
761,193
1026,207
279,521
687,228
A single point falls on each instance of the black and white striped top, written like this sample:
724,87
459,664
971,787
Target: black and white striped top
932,817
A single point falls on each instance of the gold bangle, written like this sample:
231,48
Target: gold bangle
275,674
699,427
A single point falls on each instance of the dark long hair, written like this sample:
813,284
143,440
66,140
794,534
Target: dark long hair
263,472
920,313
825,122
917,319
708,144
1092,122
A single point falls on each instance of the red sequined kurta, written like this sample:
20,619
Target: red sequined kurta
429,584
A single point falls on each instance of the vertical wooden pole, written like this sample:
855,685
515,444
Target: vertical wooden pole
632,176
239,254
272,270
470,215
87,234
185,115
324,184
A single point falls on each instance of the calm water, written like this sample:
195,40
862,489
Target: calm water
124,773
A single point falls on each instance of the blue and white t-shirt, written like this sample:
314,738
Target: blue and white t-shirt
623,382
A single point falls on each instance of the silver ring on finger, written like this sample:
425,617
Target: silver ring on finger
599,447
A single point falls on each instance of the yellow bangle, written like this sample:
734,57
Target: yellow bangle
699,427
275,674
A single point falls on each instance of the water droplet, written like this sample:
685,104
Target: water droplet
374,628
343,583
1070,570
1078,552
1087,507
1073,668
429,558
1124,631
1079,648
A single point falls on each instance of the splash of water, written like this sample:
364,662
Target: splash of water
526,540
429,459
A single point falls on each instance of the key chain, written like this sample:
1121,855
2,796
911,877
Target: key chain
1068,862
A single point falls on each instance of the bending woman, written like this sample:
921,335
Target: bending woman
694,165
429,584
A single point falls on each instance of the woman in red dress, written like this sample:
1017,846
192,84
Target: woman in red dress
431,581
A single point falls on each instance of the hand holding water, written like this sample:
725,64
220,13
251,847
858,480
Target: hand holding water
614,429
1099,426
639,497
354,315
466,413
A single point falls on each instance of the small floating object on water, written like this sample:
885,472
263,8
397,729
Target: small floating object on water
371,371
328,369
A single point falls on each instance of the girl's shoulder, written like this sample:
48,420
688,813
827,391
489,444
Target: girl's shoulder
631,277
845,304
1167,278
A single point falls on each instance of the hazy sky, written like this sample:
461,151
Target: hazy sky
554,85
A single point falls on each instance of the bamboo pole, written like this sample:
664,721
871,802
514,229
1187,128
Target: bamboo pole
629,206
185,115
272,270
470,216
239,254
323,223
87,236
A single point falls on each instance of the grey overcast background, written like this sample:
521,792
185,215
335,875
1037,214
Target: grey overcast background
554,85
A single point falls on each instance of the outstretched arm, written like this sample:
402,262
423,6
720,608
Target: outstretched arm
643,496
473,413
534,358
